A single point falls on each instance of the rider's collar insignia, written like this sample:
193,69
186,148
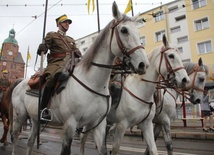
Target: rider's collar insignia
61,32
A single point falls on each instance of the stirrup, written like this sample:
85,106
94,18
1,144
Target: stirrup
48,112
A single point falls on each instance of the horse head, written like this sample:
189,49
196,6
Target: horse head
125,41
197,73
170,66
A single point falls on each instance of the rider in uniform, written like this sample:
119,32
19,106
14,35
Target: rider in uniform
60,48
4,83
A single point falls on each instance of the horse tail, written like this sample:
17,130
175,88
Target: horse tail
8,97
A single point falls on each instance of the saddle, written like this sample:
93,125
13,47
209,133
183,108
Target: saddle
34,81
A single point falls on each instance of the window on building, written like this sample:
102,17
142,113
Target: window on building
82,42
159,16
175,29
186,60
141,22
182,39
212,71
198,3
204,47
143,40
180,49
201,24
173,9
159,35
182,17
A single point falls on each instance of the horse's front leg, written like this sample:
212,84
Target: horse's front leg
118,134
83,138
32,137
157,130
99,134
148,134
6,128
69,130
167,137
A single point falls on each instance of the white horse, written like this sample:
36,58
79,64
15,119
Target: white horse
166,109
136,103
85,101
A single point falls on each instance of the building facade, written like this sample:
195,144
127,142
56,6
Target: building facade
188,24
10,57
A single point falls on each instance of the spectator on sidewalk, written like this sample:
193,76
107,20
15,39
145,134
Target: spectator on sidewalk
206,112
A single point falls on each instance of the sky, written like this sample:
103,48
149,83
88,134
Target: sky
27,19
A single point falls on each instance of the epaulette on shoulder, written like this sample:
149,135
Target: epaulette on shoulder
71,38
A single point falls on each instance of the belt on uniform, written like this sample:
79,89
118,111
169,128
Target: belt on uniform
58,55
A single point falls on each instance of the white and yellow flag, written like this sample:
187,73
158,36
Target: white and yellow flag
91,2
28,54
128,7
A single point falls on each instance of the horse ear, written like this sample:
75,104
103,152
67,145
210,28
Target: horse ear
200,62
115,11
165,41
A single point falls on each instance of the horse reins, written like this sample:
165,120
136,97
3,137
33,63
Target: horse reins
164,82
184,92
124,52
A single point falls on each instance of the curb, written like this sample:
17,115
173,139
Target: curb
180,134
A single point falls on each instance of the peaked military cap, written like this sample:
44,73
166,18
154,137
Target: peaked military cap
62,19
5,71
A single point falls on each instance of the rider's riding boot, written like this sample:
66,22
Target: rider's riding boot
46,113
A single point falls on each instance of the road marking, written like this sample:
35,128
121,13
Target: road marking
131,149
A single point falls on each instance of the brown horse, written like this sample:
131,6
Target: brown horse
4,110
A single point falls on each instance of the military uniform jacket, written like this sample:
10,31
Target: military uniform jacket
59,52
4,83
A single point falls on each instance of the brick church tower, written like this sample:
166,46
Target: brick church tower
10,57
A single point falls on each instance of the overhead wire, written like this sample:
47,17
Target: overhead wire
37,17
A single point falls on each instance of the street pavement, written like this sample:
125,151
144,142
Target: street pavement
192,131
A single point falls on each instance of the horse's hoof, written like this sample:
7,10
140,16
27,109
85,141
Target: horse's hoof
6,143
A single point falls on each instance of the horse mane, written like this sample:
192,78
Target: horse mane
93,49
189,66
153,54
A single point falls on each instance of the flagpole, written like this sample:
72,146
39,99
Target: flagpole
26,63
41,70
98,16
132,8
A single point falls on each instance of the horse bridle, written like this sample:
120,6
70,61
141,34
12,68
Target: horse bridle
192,87
126,54
169,68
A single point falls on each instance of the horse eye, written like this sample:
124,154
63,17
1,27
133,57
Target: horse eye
171,56
124,30
201,79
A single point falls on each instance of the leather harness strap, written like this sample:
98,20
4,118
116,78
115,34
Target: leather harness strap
58,55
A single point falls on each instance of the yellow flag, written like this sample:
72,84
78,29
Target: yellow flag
128,7
28,55
89,4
